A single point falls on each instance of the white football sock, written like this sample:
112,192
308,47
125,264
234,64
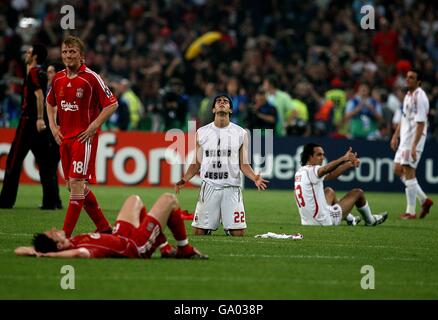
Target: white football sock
366,214
420,193
163,245
182,243
411,193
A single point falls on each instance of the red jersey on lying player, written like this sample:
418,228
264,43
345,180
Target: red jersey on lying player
126,241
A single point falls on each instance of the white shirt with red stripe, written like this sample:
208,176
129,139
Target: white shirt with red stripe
310,197
415,109
79,99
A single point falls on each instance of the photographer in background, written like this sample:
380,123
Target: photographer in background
262,115
364,114
174,106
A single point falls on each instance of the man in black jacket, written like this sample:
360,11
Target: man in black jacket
33,134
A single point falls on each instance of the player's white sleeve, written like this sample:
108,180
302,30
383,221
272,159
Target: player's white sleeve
313,174
422,107
397,116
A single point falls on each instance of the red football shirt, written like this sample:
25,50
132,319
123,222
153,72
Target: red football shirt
105,245
79,99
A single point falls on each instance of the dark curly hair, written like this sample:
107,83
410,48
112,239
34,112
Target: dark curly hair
419,74
42,243
40,51
222,95
307,152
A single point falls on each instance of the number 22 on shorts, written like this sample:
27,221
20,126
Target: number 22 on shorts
239,217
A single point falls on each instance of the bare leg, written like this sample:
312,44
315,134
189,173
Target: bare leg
201,232
204,232
130,211
163,211
330,196
409,172
398,170
354,197
236,232
163,207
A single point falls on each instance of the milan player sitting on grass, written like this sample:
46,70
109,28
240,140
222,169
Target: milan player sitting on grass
318,205
136,235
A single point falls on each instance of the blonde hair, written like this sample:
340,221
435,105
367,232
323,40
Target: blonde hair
74,41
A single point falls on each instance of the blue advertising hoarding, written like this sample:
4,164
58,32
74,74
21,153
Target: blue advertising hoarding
374,174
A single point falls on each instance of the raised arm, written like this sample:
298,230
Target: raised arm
342,168
333,165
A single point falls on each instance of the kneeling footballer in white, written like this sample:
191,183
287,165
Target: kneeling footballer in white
221,153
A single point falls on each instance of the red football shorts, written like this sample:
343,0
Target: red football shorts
144,236
79,159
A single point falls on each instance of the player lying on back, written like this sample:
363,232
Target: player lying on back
136,234
319,206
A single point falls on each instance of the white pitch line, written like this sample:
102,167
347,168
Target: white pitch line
311,257
16,234
276,242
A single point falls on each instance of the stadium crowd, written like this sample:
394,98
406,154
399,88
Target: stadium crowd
322,72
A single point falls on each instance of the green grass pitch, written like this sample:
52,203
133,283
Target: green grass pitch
326,264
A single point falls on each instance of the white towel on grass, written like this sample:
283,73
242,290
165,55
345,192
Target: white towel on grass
296,236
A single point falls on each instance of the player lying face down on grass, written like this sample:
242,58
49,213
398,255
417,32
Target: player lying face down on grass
319,206
137,234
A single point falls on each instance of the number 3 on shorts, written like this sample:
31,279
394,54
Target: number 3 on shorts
78,167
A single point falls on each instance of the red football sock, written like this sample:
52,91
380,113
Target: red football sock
160,239
73,211
176,225
94,211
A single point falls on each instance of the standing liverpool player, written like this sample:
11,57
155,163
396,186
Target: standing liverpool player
77,105
32,134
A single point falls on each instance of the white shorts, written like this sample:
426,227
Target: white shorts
406,158
219,205
335,214
330,216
